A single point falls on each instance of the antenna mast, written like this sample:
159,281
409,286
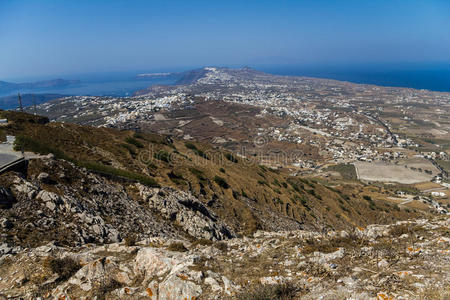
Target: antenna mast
34,104
20,102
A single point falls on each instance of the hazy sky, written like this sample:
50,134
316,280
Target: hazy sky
44,37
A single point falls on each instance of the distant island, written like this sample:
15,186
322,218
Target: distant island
153,75
6,88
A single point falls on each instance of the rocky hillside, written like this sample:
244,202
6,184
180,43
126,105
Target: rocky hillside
60,202
243,194
406,260
109,214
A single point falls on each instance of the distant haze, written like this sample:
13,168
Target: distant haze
41,38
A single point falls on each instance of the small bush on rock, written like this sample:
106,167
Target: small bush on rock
179,247
64,267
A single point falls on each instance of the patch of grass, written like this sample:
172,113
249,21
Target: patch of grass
106,286
221,182
445,164
29,144
261,174
176,178
367,198
130,240
347,171
137,135
197,151
198,173
296,186
262,182
286,291
2,136
64,267
177,246
129,148
135,142
399,230
221,246
162,155
108,170
190,145
202,242
231,157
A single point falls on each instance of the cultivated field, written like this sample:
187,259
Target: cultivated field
380,171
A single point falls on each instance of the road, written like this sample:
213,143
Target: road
8,155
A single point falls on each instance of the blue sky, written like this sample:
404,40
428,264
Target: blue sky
46,38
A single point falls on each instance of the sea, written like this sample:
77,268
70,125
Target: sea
435,77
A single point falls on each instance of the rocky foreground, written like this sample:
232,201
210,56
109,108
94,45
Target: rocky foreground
406,260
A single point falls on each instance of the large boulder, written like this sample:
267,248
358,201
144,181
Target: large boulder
186,210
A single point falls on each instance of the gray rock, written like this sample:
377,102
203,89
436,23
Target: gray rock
174,288
5,249
50,205
184,208
43,177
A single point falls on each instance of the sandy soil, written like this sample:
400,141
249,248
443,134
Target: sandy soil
379,171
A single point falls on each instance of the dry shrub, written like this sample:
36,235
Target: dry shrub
64,267
106,286
399,230
179,247
202,242
130,240
285,291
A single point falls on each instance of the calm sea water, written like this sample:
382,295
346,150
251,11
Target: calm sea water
434,77
106,84
431,76
104,87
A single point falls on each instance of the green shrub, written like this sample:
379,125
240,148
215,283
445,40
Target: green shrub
201,154
134,142
368,198
29,144
137,135
197,151
129,148
296,186
198,173
108,170
221,182
176,178
190,145
162,156
231,157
